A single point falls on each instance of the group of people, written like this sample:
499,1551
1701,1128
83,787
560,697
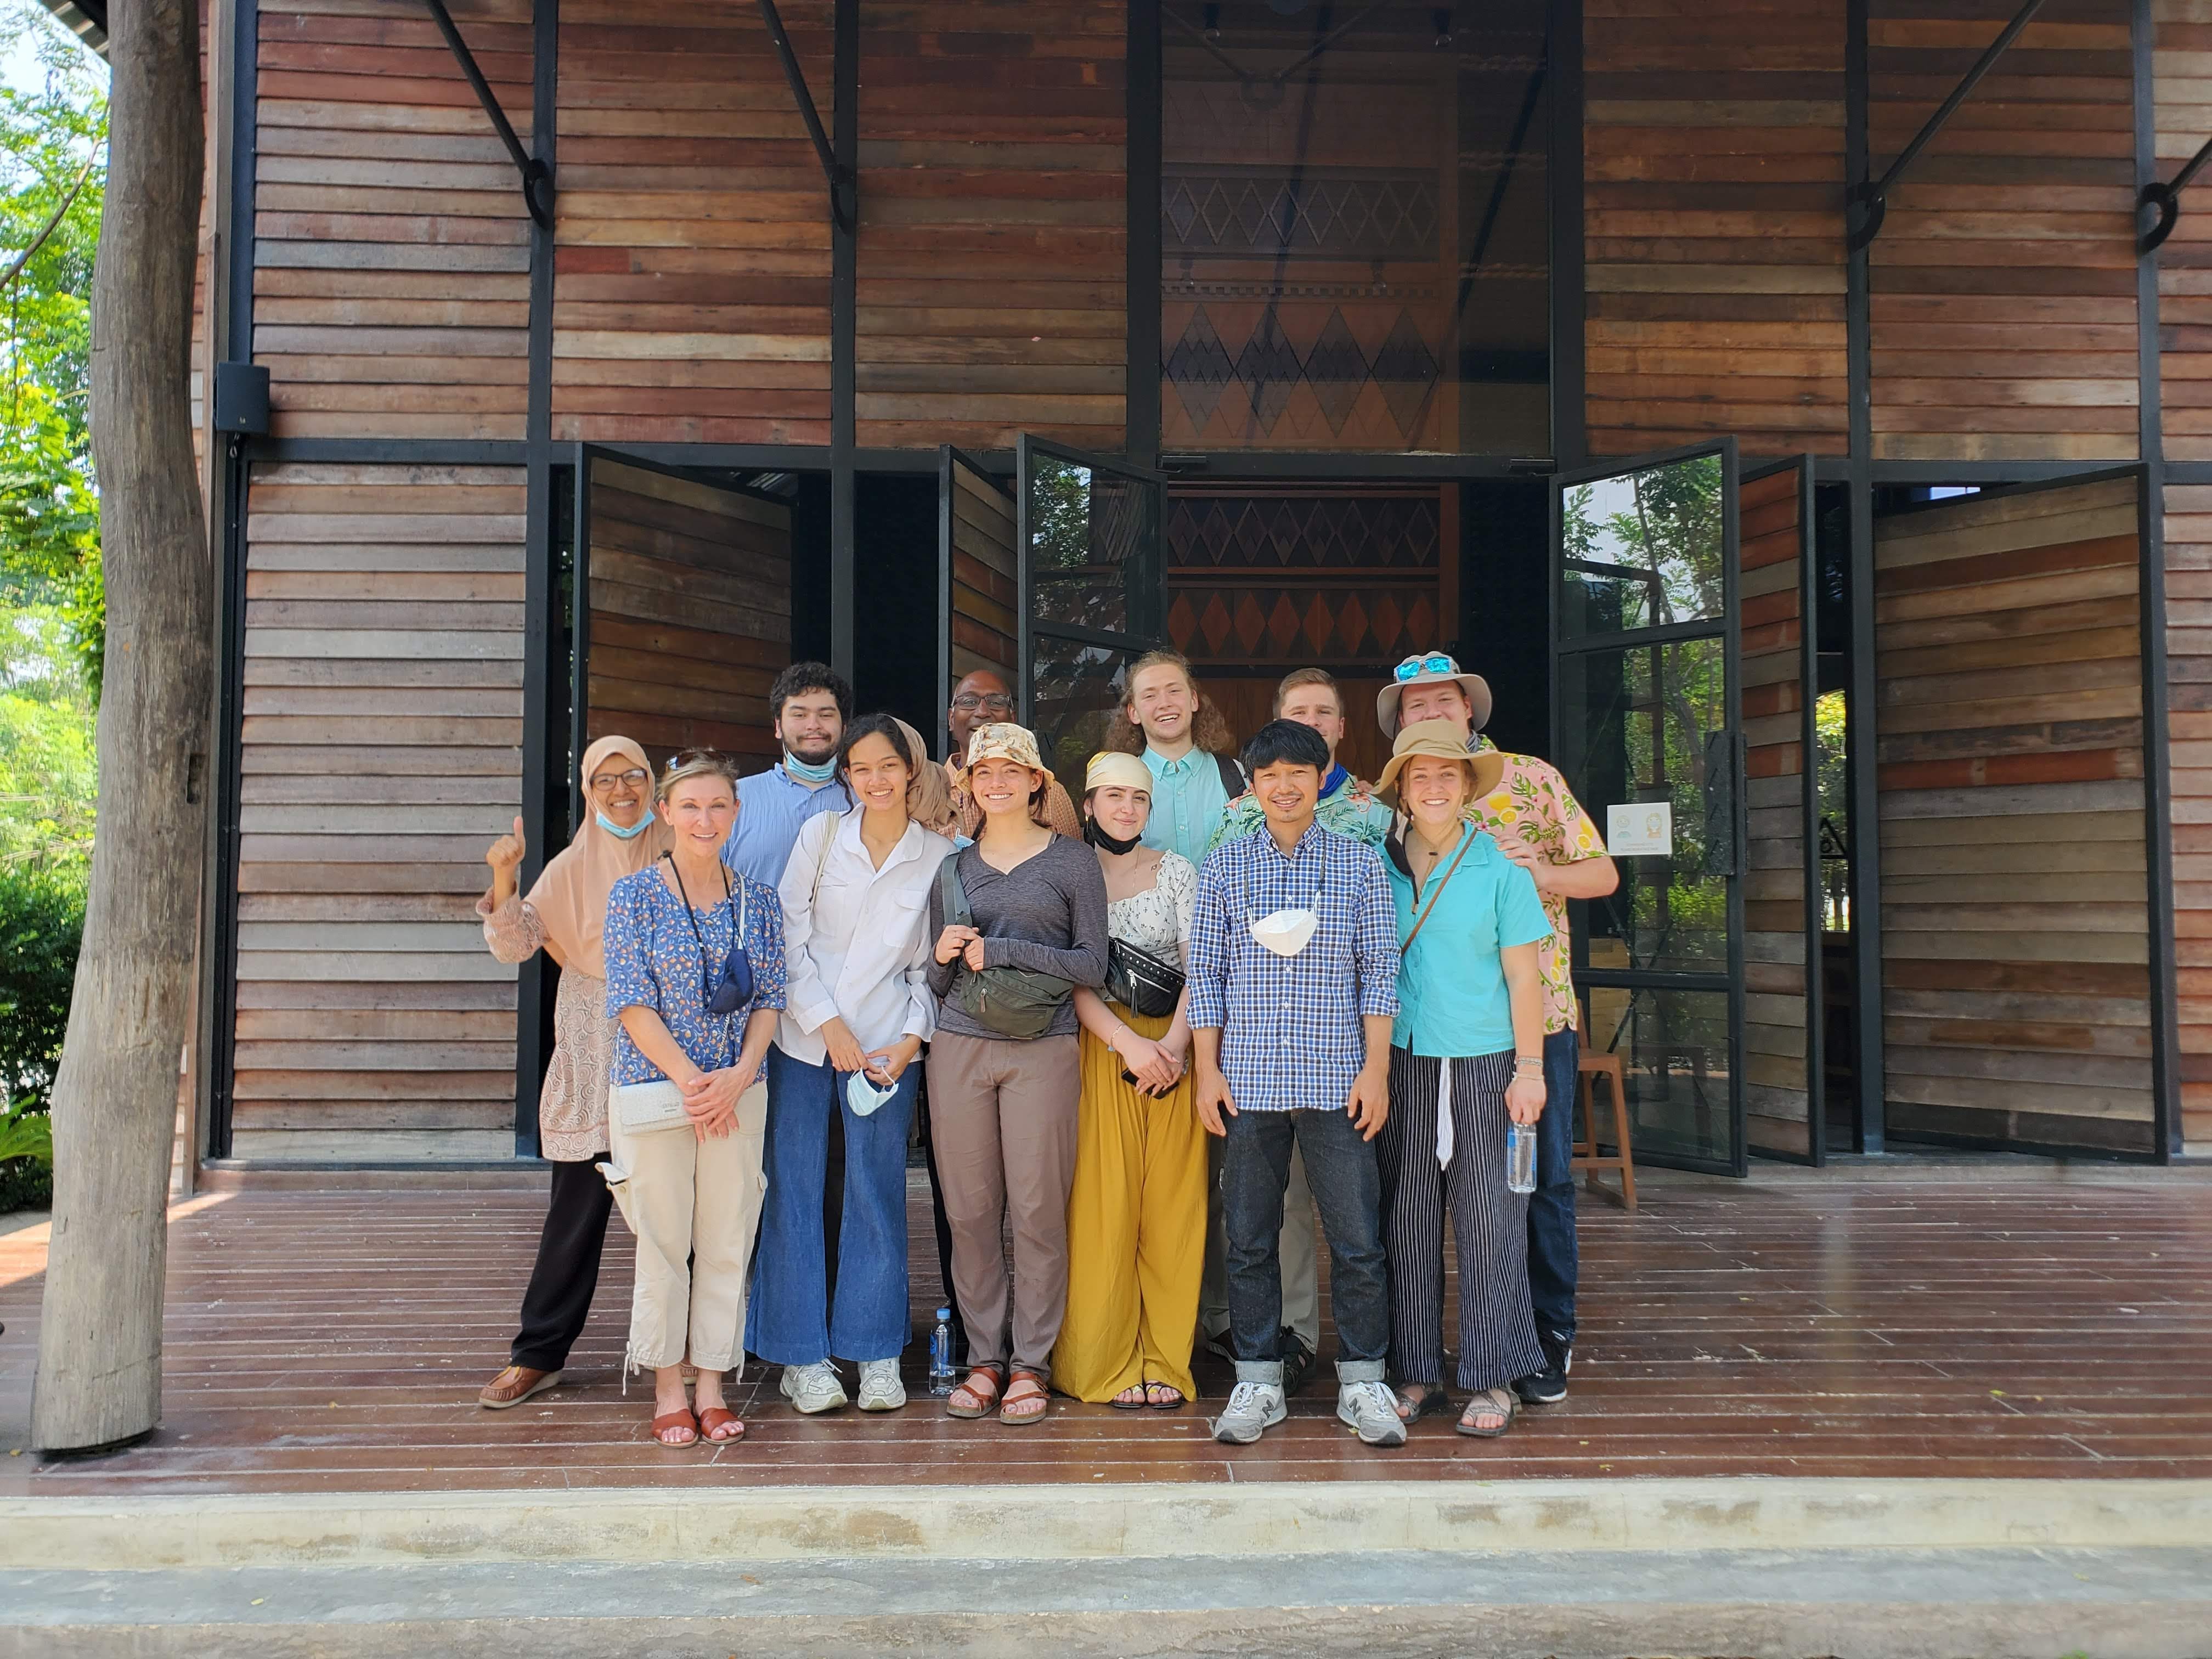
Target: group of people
1162,1020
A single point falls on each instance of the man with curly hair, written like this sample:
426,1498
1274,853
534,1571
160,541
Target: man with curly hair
1184,743
1536,822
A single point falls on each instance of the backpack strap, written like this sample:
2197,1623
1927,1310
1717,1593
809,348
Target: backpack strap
1232,774
951,894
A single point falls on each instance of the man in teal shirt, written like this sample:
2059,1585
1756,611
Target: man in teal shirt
1190,782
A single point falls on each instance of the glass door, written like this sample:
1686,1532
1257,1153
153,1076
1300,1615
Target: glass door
979,580
1093,592
1647,713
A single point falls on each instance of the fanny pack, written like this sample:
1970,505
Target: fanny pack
1014,1002
1140,981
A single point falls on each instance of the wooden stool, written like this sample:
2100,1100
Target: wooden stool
1588,1067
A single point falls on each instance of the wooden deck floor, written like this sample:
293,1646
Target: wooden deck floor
1803,1323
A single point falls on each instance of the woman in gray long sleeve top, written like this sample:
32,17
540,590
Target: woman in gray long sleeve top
1003,1109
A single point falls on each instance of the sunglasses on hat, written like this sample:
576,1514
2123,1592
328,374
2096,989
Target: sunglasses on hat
1413,667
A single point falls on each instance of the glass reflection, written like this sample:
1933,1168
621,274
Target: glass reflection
1076,692
1088,538
1674,1046
1644,550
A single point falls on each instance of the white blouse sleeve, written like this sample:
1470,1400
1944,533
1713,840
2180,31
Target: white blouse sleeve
1178,883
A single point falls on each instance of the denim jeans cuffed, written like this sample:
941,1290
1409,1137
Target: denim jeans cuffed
794,1319
1552,1254
1347,1190
1359,1371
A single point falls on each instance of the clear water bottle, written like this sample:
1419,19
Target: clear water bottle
1521,1156
941,1379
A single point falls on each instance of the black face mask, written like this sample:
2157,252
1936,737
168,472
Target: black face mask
1098,837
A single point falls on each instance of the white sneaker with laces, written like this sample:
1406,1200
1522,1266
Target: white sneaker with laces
880,1388
1253,1409
1372,1410
813,1388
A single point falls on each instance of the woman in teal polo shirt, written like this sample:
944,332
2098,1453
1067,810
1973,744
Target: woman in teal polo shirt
1467,1057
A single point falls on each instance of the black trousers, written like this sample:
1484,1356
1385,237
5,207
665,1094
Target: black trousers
566,1272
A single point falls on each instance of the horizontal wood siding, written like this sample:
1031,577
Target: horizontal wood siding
2182,98
2004,282
690,612
2016,933
381,751
2189,733
1713,228
993,247
392,249
1777,1019
981,576
691,293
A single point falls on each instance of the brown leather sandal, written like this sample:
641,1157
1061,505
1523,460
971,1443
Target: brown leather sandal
514,1385
1026,1391
978,1393
713,1420
675,1419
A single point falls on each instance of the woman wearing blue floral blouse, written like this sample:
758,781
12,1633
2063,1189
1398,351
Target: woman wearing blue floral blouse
695,978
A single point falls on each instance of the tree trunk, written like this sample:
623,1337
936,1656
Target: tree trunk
99,1380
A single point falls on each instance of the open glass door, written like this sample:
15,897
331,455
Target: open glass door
1092,598
979,580
1646,729
683,609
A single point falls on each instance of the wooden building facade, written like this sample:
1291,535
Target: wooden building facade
1566,332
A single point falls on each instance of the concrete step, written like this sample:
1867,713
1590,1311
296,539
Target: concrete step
2004,1604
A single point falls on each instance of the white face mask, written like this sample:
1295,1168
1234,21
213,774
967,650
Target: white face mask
1286,933
863,1096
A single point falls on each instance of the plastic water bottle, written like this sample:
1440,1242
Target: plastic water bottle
941,1379
1521,1156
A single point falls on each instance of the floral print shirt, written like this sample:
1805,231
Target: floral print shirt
1531,807
655,961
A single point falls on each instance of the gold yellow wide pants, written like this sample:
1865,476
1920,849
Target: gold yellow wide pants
1136,1232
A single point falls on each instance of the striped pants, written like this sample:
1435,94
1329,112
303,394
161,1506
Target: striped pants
1490,1226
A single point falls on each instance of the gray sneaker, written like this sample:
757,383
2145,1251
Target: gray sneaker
813,1388
880,1388
1253,1409
1371,1409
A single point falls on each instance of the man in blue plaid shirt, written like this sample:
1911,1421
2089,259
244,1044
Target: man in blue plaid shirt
1293,972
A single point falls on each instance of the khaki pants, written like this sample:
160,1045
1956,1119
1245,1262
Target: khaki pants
1003,1115
694,1206
1298,1247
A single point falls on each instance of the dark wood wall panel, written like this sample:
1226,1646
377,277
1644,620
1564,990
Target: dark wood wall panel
691,298
1713,225
690,612
392,250
2004,282
2015,921
1777,1020
2189,733
381,741
994,232
984,578
2182,92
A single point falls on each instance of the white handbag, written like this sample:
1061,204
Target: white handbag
646,1108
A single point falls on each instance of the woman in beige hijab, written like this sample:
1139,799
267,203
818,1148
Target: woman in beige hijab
562,915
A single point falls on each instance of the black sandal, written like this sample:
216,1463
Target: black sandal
1176,1404
1434,1398
1120,1404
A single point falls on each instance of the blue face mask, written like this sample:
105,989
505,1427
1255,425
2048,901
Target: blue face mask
806,773
622,833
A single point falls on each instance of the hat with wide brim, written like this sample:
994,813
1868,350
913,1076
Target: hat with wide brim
1004,740
1477,690
1440,740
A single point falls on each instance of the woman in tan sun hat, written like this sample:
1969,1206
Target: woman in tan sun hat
1019,921
1467,1056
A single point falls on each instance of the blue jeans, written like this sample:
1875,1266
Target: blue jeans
786,1324
1347,1189
1552,1259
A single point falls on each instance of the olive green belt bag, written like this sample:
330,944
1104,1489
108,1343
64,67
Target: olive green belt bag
1014,1002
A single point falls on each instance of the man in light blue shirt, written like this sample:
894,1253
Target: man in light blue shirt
1190,785
810,705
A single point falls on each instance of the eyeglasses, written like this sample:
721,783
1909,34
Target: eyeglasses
1414,666
635,778
969,702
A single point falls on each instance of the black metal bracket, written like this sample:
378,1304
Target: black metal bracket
842,184
1870,201
536,177
2166,198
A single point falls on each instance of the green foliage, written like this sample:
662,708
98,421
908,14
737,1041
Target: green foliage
41,925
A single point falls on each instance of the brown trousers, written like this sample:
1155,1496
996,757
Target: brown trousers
1004,1117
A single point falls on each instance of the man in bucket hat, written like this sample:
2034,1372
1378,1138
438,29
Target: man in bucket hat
1534,819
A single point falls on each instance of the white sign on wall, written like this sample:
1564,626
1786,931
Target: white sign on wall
1639,828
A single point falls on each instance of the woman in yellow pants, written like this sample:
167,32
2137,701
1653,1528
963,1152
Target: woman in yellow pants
1136,1215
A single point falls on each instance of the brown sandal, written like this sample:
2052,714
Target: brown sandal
675,1419
978,1393
713,1420
1026,1387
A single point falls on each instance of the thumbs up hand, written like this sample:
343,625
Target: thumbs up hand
506,853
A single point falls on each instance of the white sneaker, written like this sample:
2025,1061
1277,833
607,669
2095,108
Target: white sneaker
1253,1409
813,1388
880,1388
1372,1409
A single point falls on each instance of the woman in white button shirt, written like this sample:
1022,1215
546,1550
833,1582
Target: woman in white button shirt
856,918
